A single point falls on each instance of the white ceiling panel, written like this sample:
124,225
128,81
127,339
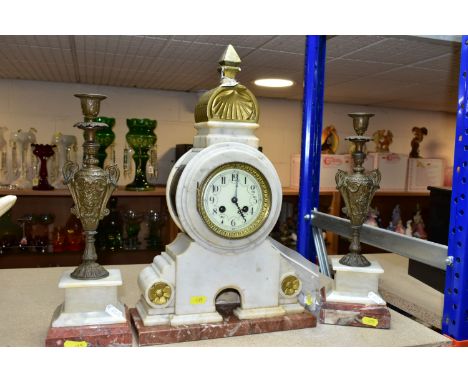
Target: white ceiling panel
290,44
247,41
417,75
447,62
389,71
339,46
357,68
399,51
272,59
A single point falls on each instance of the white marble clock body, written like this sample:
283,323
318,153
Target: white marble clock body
199,264
197,169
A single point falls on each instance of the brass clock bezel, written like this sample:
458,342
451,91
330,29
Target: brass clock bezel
262,216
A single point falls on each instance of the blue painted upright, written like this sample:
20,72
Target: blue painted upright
455,319
312,113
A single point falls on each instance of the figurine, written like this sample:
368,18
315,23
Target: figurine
330,140
372,217
419,133
382,140
409,228
418,228
399,227
378,218
396,217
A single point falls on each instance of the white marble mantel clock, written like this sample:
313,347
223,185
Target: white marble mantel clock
225,196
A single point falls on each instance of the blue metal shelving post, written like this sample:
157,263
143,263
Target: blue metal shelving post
314,71
455,318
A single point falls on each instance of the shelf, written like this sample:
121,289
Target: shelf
16,259
120,191
290,191
402,193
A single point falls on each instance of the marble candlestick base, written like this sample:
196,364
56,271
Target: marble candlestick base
229,327
355,300
90,302
358,285
91,313
360,315
108,335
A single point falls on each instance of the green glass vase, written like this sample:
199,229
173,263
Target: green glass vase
140,138
105,137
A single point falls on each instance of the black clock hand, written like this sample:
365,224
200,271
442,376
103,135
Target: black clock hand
234,200
237,184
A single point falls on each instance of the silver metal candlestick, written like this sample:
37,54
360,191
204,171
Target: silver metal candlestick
357,189
90,187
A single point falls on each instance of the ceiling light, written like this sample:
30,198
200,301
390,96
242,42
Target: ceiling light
273,82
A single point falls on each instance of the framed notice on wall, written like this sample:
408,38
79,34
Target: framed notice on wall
425,172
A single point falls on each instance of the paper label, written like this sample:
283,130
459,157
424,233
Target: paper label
113,311
75,344
370,321
197,300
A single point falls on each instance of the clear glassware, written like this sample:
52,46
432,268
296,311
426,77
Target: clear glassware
22,141
25,240
66,151
132,221
155,221
152,170
3,157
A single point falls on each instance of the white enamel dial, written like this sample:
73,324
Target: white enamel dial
234,200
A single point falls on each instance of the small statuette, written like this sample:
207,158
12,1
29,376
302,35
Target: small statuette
382,140
399,228
330,140
418,225
409,228
396,217
372,217
419,133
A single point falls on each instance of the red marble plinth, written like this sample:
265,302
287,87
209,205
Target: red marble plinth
92,335
361,315
230,327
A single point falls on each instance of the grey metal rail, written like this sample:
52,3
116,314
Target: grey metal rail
426,252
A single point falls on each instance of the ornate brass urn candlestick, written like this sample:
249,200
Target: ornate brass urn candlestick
90,187
357,189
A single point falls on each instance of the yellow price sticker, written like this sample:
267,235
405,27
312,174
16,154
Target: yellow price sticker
75,344
370,321
197,300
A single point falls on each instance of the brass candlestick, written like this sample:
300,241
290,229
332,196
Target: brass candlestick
90,187
357,190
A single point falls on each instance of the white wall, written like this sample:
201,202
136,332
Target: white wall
50,107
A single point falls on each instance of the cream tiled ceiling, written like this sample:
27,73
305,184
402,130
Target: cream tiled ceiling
392,71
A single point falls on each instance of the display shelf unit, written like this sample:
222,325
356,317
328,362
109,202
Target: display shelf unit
455,318
58,203
330,201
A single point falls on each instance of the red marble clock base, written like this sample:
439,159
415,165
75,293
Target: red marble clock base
93,335
230,327
361,315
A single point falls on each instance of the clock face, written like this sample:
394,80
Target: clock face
234,200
